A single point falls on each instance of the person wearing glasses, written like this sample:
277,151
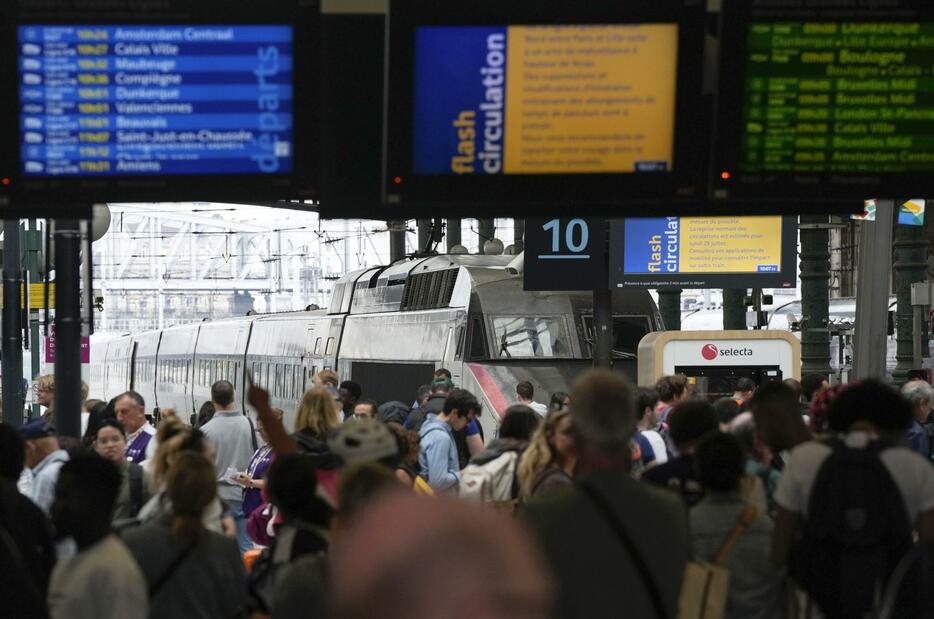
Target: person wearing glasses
253,480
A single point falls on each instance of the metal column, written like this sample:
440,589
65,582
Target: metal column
815,294
396,240
602,328
33,248
734,309
453,233
669,306
486,229
424,234
12,363
911,251
872,293
518,234
67,328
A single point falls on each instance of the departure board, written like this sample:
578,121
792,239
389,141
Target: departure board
139,100
842,97
823,104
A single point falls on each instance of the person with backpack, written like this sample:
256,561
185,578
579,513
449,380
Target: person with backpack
920,396
689,422
492,475
847,506
190,571
755,584
437,455
136,483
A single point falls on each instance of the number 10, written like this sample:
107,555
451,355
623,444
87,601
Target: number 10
554,226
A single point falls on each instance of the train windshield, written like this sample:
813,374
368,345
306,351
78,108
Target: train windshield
628,331
529,336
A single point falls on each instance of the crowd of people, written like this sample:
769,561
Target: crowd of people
812,497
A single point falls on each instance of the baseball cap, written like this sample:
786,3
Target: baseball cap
37,428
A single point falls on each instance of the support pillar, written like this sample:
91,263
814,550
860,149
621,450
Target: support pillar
602,328
12,363
911,250
518,235
67,328
815,294
33,243
453,233
734,309
396,240
486,229
424,235
669,306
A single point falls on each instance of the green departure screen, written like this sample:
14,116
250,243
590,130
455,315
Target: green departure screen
838,97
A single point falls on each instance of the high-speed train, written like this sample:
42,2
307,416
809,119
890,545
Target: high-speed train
387,328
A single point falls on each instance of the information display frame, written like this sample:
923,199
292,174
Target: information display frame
684,187
57,195
774,191
783,277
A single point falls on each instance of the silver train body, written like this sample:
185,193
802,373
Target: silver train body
388,328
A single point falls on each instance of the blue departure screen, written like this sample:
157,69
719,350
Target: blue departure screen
155,100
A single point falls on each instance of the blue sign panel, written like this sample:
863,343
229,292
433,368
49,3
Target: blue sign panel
141,100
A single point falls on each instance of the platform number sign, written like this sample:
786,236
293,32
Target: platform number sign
575,239
565,254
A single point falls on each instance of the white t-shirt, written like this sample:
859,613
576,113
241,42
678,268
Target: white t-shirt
539,408
102,580
658,445
913,475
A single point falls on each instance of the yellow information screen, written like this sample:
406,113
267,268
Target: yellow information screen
716,245
545,99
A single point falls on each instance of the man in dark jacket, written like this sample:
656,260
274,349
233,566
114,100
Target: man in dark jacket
25,526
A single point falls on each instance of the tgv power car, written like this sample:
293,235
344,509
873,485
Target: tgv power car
388,328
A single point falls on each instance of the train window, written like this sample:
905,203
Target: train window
530,336
459,346
477,339
318,346
330,347
628,331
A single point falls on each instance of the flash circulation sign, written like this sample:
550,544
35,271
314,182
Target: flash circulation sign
543,103
834,103
545,99
704,252
130,100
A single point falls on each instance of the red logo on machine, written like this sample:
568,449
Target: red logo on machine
709,352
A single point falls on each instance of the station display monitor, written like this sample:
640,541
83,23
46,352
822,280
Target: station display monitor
504,104
205,106
829,103
704,252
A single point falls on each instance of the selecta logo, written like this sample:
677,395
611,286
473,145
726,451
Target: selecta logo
711,352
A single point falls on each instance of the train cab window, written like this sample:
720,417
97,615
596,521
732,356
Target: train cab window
530,336
330,347
318,346
628,331
459,342
477,339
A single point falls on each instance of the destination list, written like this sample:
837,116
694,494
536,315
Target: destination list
155,100
839,97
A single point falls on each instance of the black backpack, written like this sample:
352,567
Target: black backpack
855,533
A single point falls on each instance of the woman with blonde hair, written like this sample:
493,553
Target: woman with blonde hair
191,571
176,440
316,417
548,462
